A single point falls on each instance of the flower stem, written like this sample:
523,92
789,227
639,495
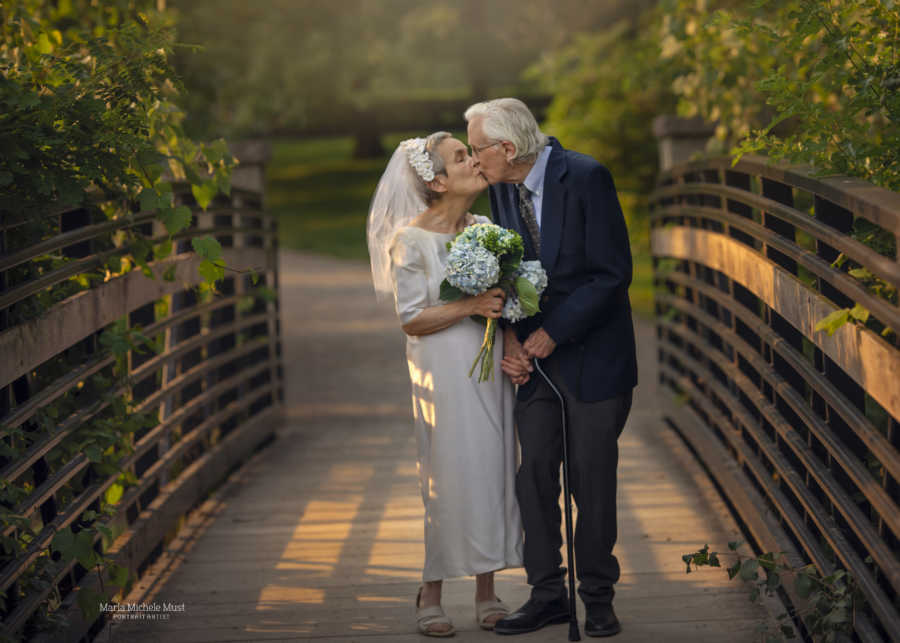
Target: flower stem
486,353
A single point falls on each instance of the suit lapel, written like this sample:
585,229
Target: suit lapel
553,205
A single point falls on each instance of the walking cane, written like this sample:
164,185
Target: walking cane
574,634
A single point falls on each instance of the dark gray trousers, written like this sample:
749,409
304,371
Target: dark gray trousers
593,429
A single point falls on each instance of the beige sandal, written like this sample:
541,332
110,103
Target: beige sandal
433,615
485,609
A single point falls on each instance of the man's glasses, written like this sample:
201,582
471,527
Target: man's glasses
476,150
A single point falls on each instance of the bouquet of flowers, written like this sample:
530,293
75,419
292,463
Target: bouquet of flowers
485,256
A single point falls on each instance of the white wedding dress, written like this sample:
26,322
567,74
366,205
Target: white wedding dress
467,453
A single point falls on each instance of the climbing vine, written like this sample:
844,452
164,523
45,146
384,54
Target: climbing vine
90,122
830,600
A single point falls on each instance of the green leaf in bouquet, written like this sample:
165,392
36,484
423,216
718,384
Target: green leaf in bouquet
528,296
509,265
449,292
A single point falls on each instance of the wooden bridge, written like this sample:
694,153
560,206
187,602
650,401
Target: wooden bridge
294,392
320,536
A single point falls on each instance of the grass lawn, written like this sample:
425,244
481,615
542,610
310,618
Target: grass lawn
321,195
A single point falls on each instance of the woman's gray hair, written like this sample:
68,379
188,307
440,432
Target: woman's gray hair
431,144
509,119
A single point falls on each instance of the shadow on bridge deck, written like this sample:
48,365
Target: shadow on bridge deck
320,535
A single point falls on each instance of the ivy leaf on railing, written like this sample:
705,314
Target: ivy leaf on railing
859,313
176,219
838,318
212,268
89,602
72,546
162,250
204,192
119,575
114,493
835,320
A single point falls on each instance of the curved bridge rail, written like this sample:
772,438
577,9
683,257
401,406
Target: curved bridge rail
214,389
799,428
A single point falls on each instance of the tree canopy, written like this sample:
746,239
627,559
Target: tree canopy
278,65
813,81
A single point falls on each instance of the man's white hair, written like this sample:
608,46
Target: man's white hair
509,119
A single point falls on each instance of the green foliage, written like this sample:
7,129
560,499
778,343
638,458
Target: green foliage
811,81
105,439
607,87
830,600
835,320
528,296
89,118
213,266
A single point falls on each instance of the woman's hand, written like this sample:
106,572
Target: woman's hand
489,303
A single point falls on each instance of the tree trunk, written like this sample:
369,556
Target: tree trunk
367,135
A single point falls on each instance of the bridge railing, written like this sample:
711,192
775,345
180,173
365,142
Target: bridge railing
799,427
212,391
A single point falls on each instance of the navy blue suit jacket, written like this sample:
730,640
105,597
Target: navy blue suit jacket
585,251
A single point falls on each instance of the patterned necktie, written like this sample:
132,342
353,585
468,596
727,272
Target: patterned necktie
526,207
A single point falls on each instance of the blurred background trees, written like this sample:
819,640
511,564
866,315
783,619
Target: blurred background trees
335,85
316,67
813,81
89,109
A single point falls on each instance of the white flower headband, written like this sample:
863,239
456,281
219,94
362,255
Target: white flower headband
419,158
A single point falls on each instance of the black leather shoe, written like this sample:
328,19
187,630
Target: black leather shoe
534,615
601,620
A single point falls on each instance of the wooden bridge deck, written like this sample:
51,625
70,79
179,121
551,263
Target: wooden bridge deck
320,535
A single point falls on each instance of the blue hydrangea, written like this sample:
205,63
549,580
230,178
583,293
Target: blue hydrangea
534,272
472,268
512,309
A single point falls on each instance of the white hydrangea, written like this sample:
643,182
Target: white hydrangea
472,269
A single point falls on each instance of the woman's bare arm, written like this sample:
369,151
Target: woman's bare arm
437,318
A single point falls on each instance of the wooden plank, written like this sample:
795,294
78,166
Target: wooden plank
29,345
865,356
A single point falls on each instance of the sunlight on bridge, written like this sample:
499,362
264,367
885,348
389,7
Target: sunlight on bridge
322,537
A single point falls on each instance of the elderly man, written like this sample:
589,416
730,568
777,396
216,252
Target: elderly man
564,205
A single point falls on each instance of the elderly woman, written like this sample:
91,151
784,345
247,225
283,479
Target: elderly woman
464,429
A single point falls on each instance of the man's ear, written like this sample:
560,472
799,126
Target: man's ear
509,151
